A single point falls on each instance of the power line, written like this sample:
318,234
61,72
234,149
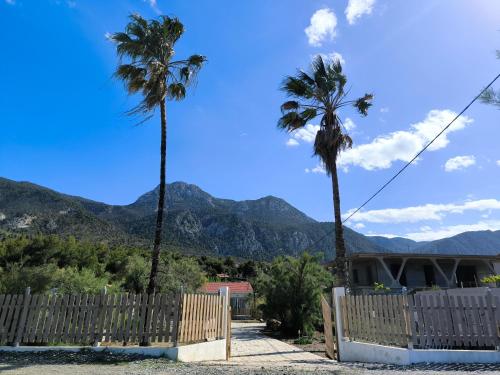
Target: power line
420,152
412,160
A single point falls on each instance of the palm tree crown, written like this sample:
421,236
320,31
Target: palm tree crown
149,45
321,93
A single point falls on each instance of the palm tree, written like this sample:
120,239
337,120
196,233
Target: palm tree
321,93
151,70
491,96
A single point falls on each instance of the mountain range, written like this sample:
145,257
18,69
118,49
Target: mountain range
198,223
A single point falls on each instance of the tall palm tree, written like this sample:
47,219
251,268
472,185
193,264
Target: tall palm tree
150,69
321,93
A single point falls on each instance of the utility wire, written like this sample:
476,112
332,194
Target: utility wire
412,160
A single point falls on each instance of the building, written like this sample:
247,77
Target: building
241,293
420,271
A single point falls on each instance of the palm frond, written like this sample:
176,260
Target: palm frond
172,29
196,61
176,91
491,97
291,121
296,87
134,77
289,105
306,78
308,114
362,104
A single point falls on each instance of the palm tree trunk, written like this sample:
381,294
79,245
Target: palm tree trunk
161,202
340,251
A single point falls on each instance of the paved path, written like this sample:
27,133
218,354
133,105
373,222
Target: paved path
252,348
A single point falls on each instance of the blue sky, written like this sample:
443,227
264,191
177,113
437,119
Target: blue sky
63,124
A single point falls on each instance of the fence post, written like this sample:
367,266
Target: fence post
224,292
339,323
178,312
408,315
22,319
101,311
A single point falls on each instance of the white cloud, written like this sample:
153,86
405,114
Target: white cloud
292,143
357,8
349,124
322,27
423,213
401,145
453,230
359,225
459,162
498,163
317,169
153,4
307,133
384,109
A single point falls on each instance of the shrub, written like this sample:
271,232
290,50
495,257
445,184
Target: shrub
380,287
292,291
492,279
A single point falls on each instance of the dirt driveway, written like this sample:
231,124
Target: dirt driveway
253,353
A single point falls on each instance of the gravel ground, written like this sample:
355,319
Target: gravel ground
87,362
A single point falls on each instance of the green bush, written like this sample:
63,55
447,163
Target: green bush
292,290
303,340
492,279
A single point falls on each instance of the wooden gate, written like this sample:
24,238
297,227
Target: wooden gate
329,328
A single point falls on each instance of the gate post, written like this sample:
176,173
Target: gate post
224,292
339,327
226,319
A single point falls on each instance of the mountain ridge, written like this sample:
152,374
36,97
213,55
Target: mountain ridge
199,223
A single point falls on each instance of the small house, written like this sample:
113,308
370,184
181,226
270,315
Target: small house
241,293
420,271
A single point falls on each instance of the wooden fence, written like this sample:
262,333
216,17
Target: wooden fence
329,328
455,321
85,319
202,318
424,321
380,319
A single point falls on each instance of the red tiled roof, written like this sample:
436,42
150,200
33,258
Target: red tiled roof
235,287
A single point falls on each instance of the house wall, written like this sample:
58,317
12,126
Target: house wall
414,271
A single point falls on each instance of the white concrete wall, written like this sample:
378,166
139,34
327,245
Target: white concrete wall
353,351
205,351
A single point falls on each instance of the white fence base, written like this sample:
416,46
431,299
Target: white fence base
353,351
205,351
